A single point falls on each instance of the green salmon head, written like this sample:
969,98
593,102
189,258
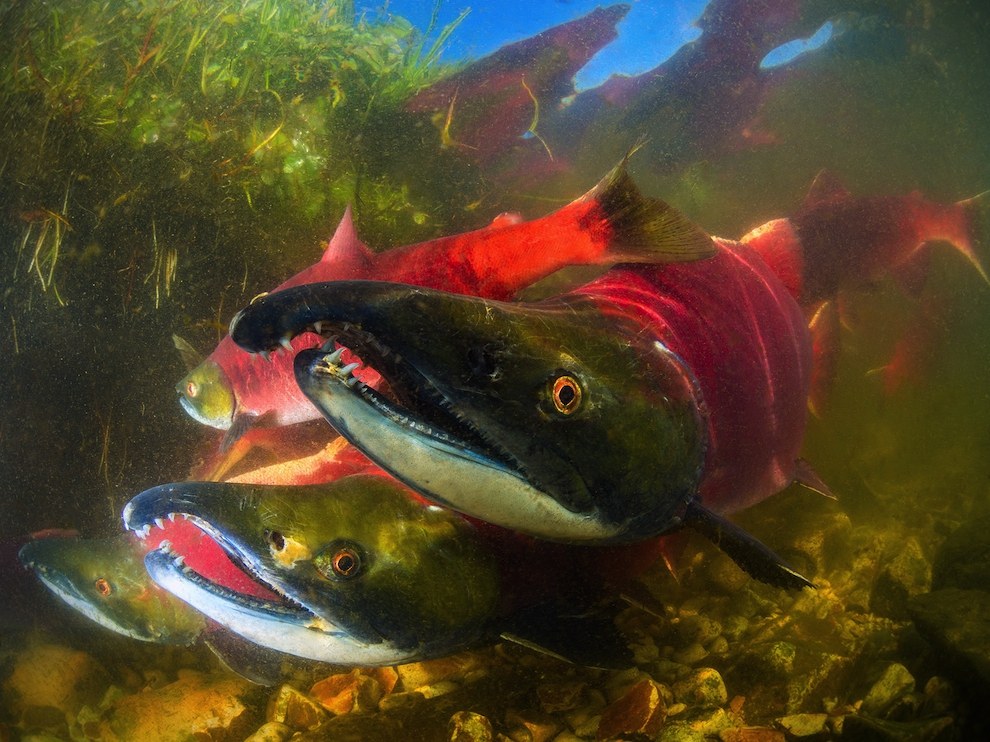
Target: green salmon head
207,395
105,580
360,553
557,419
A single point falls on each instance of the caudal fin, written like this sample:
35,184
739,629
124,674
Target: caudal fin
642,229
976,239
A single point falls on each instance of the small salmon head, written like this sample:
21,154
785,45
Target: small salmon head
207,395
105,580
371,574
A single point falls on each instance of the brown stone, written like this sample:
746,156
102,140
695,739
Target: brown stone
558,697
196,706
538,727
272,731
456,667
53,676
640,711
295,709
467,726
751,734
345,693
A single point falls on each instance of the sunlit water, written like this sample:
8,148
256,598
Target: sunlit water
160,165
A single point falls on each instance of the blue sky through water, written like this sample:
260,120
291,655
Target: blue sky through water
650,33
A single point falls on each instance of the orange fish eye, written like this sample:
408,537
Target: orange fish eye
346,562
565,393
192,389
276,539
103,587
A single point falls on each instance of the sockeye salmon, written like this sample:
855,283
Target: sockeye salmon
611,223
653,397
376,576
839,242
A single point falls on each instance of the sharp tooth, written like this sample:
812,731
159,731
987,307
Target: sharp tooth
159,522
171,517
145,530
348,369
318,327
286,343
180,560
265,354
334,357
352,381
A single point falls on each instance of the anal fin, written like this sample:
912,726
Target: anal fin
753,556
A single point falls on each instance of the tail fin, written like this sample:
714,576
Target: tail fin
642,229
976,211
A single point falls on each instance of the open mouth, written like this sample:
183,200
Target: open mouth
271,618
222,569
407,399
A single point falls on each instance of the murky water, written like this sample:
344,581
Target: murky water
161,164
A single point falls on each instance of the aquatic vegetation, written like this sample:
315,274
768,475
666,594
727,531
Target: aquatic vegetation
151,131
155,177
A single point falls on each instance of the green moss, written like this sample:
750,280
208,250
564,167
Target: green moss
177,135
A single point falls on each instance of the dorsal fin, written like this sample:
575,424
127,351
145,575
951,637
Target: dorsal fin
345,249
190,356
825,188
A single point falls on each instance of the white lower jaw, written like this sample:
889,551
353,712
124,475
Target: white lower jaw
448,474
223,424
92,613
318,643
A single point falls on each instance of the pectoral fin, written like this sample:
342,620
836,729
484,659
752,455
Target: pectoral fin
588,638
754,557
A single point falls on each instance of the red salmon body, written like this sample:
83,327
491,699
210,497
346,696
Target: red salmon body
739,331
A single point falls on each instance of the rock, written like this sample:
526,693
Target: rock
805,726
294,709
680,731
467,726
196,706
905,573
751,734
957,623
640,711
963,560
866,728
583,720
456,667
892,685
531,726
829,675
345,693
558,697
692,654
272,731
703,687
50,676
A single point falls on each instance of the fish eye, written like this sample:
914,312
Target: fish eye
340,561
565,392
103,587
276,539
192,389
